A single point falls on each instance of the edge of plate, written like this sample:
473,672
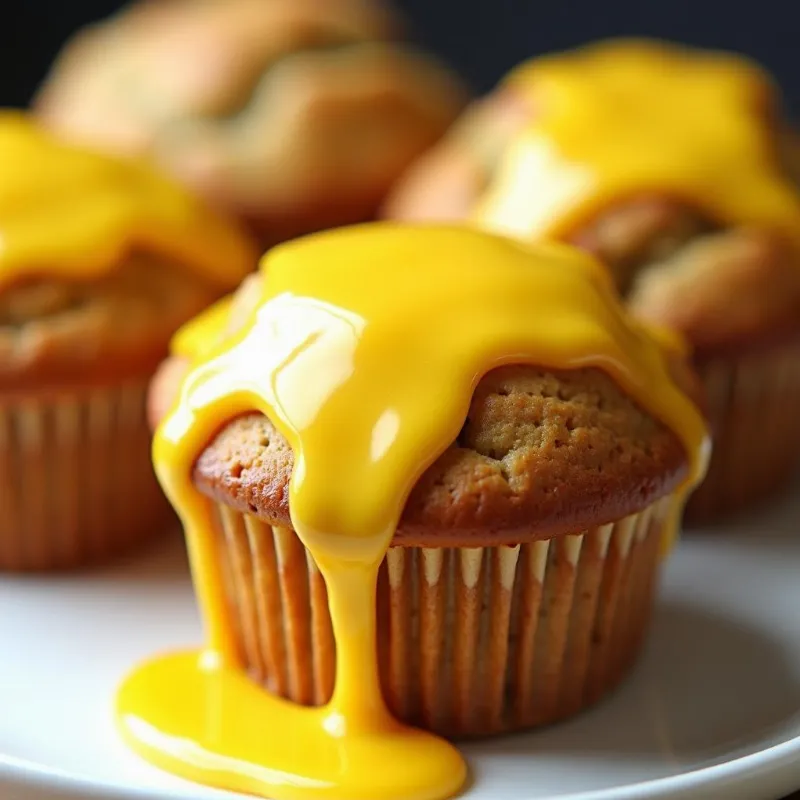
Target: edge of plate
777,767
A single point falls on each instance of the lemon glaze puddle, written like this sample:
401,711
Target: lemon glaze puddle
364,351
620,119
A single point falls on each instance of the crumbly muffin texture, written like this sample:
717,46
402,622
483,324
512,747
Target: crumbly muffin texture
720,287
541,453
58,331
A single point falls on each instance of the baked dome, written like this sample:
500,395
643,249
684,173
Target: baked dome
294,114
542,452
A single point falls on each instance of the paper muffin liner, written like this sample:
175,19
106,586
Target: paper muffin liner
472,641
754,408
76,481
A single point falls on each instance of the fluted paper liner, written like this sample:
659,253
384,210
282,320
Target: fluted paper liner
76,481
472,641
754,408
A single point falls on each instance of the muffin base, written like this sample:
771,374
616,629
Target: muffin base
754,408
472,641
76,481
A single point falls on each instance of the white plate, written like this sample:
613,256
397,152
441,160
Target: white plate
712,711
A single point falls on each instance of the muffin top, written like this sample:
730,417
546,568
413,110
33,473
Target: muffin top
670,164
294,114
486,389
101,259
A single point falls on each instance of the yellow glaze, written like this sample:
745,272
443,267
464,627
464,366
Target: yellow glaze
204,331
621,119
364,351
69,212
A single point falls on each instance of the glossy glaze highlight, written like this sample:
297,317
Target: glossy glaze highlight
364,350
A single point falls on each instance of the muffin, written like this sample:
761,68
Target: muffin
293,114
674,167
101,261
517,585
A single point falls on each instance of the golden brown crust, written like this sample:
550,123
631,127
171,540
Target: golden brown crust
542,453
296,114
154,46
637,232
721,288
445,182
734,289
54,332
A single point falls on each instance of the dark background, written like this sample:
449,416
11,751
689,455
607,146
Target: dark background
482,38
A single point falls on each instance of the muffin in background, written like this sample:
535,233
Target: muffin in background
293,114
724,273
518,586
102,259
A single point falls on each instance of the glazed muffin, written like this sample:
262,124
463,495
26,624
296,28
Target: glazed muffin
518,583
293,115
101,261
688,191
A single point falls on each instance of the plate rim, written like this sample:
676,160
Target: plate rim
775,763
19,773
